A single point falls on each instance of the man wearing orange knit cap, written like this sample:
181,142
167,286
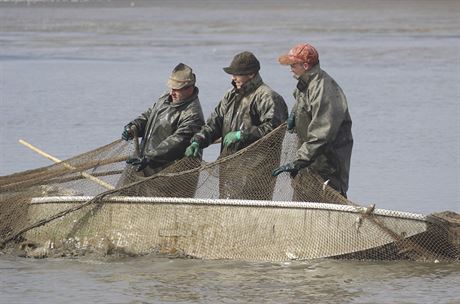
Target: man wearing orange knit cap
321,120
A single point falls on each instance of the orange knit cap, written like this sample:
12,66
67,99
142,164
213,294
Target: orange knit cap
301,53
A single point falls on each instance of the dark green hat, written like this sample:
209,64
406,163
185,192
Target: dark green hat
244,63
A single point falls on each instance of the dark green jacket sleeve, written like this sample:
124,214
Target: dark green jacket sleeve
173,146
328,111
212,130
141,121
271,111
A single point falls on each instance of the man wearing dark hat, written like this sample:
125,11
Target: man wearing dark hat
167,127
246,113
321,120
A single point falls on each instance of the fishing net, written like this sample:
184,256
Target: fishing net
95,203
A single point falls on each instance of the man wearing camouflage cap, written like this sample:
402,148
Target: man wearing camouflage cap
246,113
321,120
168,125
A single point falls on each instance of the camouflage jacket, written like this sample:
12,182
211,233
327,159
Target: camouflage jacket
255,110
323,125
166,129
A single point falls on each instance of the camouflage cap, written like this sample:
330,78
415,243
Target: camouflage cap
301,53
244,63
181,77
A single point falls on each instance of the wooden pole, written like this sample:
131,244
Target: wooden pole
136,143
56,160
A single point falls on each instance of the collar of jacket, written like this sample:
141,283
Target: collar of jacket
185,101
249,86
306,77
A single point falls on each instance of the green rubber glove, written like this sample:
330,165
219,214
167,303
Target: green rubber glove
232,137
192,150
293,168
139,162
128,132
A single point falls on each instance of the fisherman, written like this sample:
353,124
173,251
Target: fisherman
321,120
168,125
246,113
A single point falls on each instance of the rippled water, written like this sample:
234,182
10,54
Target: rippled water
161,280
72,74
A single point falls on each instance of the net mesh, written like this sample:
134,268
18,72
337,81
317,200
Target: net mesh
228,209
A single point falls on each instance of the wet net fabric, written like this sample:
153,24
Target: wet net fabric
228,209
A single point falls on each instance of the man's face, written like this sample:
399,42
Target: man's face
298,69
181,94
240,80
